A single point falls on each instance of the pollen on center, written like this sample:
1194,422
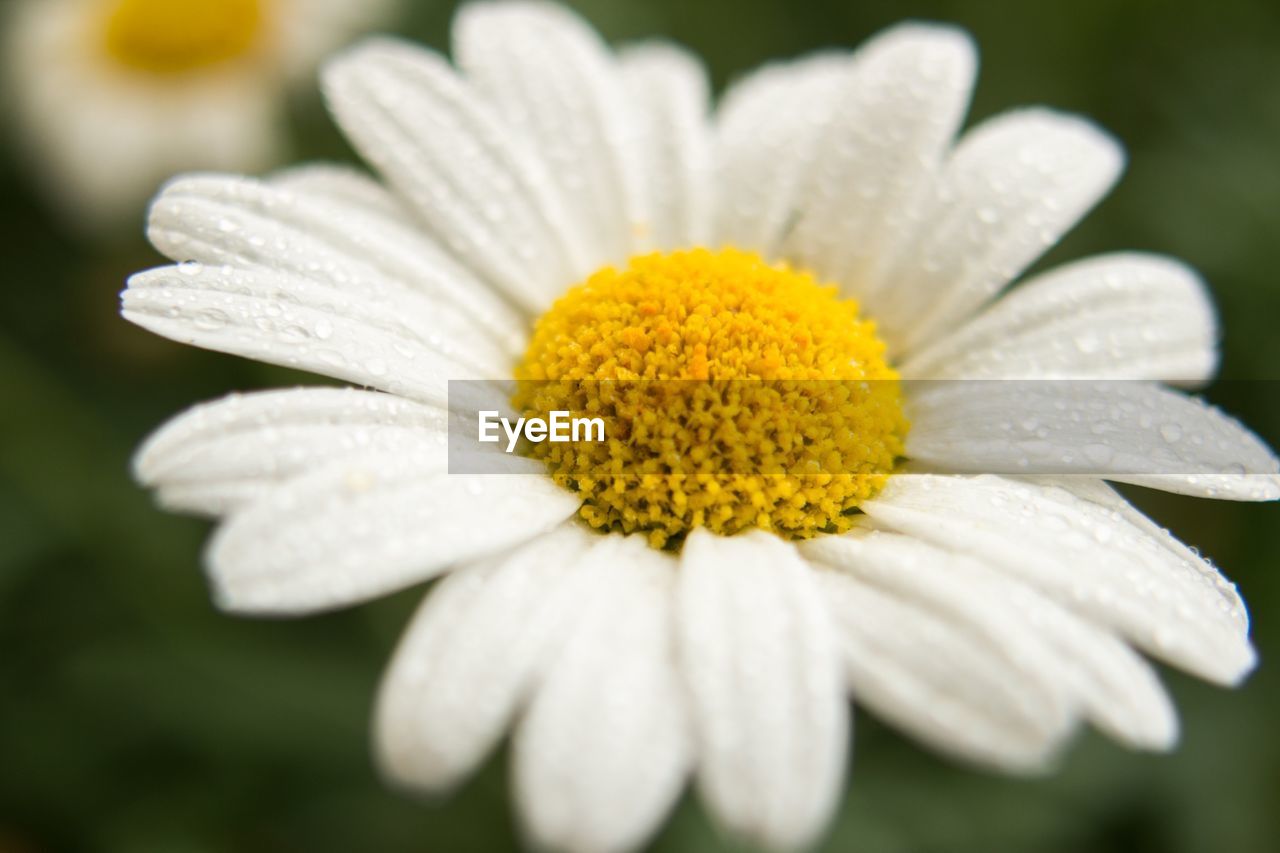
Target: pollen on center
736,394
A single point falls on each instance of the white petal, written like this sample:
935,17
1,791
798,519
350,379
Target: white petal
769,126
362,527
1083,555
294,322
604,749
339,183
1012,187
1042,653
208,499
555,84
896,112
943,681
388,236
470,656
220,455
1131,432
242,222
1121,316
479,191
768,704
1118,691
670,91
1188,561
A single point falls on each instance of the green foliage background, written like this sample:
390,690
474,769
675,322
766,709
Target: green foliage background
134,717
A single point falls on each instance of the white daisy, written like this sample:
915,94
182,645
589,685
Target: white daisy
986,615
114,96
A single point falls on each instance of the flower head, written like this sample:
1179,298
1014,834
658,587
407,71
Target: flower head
114,96
946,552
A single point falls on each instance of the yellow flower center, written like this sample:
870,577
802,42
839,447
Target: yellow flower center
735,394
176,36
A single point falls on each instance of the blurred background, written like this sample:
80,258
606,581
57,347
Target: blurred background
134,717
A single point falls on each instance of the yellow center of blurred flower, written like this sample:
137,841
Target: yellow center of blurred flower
735,393
176,36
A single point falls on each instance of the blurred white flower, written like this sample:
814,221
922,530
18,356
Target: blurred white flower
986,615
111,97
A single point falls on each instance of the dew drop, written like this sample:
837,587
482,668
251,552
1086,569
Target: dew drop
1098,454
211,320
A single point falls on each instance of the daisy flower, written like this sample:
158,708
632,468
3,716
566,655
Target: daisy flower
115,96
547,209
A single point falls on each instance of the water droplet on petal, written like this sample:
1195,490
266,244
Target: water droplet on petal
210,320
1098,454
